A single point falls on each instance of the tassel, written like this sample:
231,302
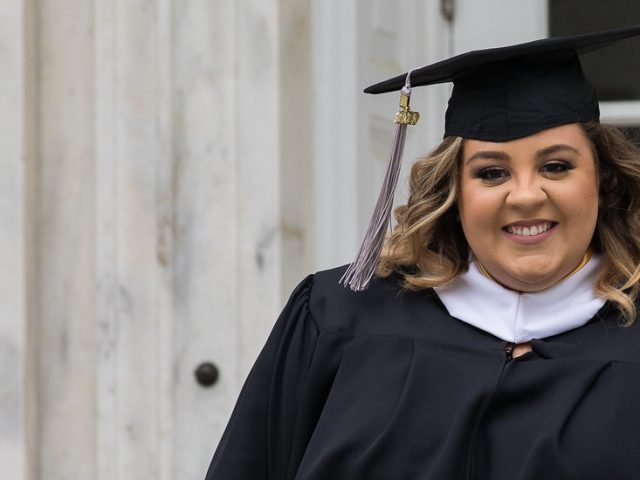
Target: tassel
362,269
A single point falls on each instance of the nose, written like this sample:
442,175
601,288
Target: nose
526,194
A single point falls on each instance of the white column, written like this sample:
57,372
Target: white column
337,225
257,127
135,229
17,433
296,152
65,239
207,106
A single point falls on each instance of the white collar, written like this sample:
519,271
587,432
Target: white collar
519,317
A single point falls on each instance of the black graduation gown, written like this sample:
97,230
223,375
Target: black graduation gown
385,384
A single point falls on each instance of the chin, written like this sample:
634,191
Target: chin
531,281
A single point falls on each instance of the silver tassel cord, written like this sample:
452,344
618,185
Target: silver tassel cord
362,269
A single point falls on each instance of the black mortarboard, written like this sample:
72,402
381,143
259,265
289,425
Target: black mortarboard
510,92
499,94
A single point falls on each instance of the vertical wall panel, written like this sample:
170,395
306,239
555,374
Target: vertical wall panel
257,150
165,235
336,88
296,154
206,294
64,228
135,228
17,433
106,245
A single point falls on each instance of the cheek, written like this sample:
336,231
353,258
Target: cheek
478,206
581,200
478,212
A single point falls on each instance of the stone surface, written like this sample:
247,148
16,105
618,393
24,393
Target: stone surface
17,393
64,239
146,221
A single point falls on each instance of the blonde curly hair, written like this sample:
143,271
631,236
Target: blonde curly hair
428,247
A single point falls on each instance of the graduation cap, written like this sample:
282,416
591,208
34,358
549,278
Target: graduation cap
499,94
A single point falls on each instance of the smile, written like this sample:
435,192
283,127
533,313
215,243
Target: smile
530,230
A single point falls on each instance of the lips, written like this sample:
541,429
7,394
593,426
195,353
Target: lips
529,228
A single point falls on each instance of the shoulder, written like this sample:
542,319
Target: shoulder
606,337
385,307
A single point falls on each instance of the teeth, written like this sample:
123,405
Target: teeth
529,231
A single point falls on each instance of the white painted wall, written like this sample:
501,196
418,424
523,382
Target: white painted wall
149,223
495,23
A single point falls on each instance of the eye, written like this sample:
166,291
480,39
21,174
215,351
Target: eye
557,167
491,174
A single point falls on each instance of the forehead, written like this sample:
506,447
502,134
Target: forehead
571,135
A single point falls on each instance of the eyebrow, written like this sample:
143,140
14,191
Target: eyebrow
488,154
555,149
499,155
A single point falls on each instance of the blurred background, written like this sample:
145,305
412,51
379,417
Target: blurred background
170,169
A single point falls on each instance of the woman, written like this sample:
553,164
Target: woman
498,339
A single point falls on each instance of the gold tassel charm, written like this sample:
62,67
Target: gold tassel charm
405,116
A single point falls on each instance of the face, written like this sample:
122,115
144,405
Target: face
528,207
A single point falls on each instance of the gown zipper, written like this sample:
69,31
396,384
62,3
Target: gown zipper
508,357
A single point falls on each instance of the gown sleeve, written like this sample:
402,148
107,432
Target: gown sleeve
258,439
